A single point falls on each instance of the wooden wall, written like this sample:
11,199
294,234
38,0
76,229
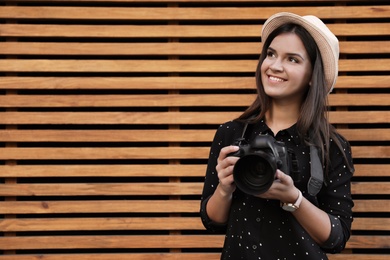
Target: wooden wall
108,109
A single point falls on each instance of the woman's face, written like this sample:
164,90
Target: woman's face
286,70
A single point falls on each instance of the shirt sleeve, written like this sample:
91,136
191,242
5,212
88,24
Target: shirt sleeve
224,136
335,198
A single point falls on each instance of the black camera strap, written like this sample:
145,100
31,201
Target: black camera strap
316,170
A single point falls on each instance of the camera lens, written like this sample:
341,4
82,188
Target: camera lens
254,173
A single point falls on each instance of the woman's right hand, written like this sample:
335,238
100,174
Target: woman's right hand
225,165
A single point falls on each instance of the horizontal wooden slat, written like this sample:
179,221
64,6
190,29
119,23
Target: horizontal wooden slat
373,134
113,189
99,189
164,256
371,188
168,83
169,48
109,206
133,241
380,224
153,170
104,153
113,170
164,100
177,31
161,66
147,135
85,224
172,100
134,223
150,241
210,13
136,206
155,118
144,135
79,153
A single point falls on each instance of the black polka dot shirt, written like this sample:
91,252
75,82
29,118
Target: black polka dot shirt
259,228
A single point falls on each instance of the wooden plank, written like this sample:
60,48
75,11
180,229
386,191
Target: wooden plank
119,256
143,135
107,170
152,241
131,153
79,153
102,189
168,48
151,189
375,134
164,256
136,206
112,241
370,205
148,135
187,13
88,224
377,188
147,100
372,170
157,118
153,170
134,223
371,152
380,224
169,83
171,100
177,31
110,206
161,66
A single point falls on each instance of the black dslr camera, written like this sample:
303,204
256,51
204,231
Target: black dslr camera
255,171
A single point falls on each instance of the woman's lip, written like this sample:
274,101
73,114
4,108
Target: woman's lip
275,79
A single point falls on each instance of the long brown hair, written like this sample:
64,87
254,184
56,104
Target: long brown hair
313,125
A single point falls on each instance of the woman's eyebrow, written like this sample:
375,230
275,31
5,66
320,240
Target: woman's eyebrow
289,53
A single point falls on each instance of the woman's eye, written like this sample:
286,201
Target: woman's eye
270,54
293,60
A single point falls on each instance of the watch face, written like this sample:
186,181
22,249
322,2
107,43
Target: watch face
289,207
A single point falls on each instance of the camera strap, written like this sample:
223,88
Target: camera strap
316,170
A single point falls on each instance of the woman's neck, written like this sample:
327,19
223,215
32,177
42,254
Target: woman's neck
280,117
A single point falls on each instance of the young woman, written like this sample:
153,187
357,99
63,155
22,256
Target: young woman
300,216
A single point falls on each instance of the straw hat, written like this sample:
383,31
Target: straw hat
326,41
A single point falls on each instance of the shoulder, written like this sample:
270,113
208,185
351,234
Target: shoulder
228,132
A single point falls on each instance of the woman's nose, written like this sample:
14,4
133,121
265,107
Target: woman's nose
276,65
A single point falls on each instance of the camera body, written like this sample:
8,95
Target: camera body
255,171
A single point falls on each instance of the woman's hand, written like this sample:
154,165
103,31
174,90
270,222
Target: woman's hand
282,189
225,165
